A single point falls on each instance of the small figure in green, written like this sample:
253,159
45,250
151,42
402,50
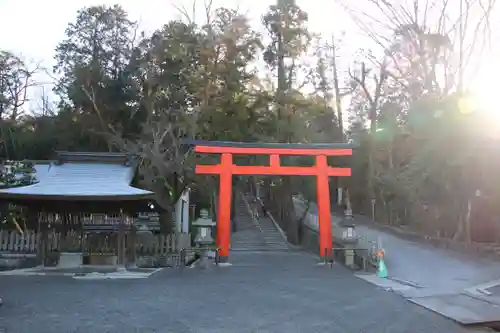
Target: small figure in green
381,267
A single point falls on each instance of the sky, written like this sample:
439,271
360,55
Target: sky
33,28
38,26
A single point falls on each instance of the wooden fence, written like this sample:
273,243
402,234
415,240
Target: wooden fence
14,242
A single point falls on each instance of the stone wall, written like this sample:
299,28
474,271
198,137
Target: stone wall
309,239
15,261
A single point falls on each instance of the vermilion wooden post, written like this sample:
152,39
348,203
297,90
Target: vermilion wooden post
325,220
226,169
224,207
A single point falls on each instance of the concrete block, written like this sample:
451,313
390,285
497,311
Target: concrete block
70,260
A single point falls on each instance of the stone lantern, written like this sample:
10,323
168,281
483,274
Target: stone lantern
204,237
350,240
349,235
204,224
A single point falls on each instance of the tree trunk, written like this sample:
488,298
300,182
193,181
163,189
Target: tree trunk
289,218
467,221
371,150
215,207
340,118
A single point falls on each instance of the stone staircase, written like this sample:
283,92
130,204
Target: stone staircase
254,235
272,236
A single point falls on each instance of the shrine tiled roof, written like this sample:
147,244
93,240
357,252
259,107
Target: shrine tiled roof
80,180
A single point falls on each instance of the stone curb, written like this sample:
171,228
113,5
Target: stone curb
36,272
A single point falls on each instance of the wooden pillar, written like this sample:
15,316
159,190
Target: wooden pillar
63,230
233,209
224,207
83,235
43,237
132,244
39,248
121,241
325,220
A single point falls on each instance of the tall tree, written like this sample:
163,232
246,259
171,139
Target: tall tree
428,50
286,24
92,63
16,79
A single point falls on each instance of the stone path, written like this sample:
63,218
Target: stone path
261,293
446,281
436,271
439,279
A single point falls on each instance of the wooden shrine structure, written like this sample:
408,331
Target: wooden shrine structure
86,198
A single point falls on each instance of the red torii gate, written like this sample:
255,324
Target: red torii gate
226,169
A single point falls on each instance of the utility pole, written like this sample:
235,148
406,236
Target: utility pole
338,105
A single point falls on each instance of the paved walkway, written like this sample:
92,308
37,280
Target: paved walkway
459,286
261,293
455,285
436,271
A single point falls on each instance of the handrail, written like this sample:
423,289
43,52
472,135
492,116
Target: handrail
249,209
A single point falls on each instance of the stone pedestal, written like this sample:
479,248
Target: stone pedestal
109,260
349,257
70,260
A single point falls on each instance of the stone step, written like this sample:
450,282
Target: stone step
247,241
258,243
259,249
274,240
253,235
262,244
238,242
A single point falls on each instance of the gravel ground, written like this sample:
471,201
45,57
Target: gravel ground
261,293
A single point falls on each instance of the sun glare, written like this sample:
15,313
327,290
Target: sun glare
486,103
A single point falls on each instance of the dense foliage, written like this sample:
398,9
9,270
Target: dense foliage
418,159
15,173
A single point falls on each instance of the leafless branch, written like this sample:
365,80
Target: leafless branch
16,79
470,34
